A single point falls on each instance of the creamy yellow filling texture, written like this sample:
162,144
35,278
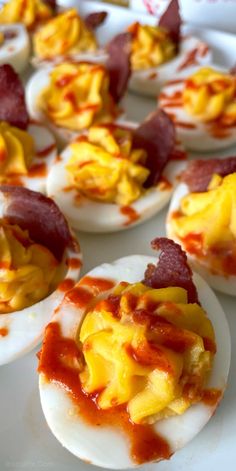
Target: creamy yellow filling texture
77,96
209,94
64,34
151,46
16,151
29,12
211,213
129,362
28,271
104,167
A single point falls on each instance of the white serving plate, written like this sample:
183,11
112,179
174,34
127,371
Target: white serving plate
26,442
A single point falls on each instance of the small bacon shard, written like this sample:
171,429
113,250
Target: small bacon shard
198,173
96,19
118,64
39,215
171,20
157,136
12,98
171,270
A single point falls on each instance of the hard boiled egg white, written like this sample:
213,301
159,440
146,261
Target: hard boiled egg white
98,56
195,135
92,216
21,331
219,282
43,160
105,446
34,87
15,49
193,51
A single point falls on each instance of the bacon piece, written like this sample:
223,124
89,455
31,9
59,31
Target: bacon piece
118,64
171,270
96,19
39,215
157,136
171,20
12,98
199,172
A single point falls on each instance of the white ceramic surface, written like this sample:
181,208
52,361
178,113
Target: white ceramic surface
26,442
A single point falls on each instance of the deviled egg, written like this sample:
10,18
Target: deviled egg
73,96
117,175
66,37
202,219
203,108
135,360
31,13
160,51
40,260
27,149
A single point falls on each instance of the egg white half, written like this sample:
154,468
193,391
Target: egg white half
99,57
198,137
24,329
16,50
224,284
107,447
150,81
45,154
91,216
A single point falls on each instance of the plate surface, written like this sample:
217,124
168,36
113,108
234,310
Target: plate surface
26,442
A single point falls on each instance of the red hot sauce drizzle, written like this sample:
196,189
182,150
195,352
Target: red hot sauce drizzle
145,444
130,214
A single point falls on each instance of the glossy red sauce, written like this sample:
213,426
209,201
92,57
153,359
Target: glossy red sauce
4,331
190,59
130,214
150,355
3,155
66,285
221,260
174,100
153,76
14,180
38,170
70,96
46,151
211,397
184,125
218,130
209,345
174,82
79,296
74,263
164,184
145,443
97,285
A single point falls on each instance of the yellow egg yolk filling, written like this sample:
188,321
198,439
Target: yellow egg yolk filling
209,95
28,271
78,96
104,167
206,223
146,348
28,12
151,46
64,34
16,151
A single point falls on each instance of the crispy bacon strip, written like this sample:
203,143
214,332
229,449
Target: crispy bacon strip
198,173
39,215
96,19
118,64
171,270
12,98
171,20
157,136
